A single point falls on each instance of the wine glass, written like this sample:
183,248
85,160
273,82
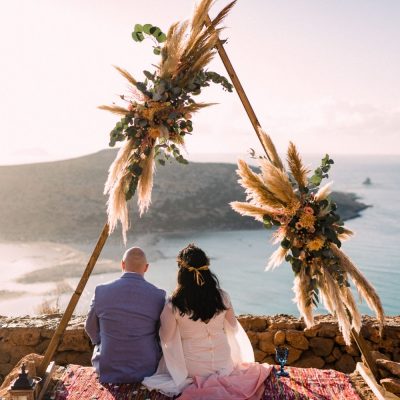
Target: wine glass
281,355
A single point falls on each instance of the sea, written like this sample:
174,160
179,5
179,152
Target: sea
238,258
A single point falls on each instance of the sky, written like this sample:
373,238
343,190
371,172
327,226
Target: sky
321,73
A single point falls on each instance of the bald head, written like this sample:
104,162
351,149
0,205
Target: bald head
134,260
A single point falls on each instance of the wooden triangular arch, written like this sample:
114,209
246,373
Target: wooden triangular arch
53,345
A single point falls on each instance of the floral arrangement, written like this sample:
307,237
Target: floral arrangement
158,112
310,233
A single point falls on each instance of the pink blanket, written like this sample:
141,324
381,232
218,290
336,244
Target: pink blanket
243,384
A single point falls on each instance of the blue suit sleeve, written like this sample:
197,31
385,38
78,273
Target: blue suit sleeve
92,326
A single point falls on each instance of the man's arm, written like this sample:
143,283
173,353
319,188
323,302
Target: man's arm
92,326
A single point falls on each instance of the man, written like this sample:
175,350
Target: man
123,323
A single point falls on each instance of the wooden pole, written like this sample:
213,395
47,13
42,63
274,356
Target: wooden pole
362,345
239,88
55,340
256,125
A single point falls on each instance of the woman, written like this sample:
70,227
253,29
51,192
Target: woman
206,353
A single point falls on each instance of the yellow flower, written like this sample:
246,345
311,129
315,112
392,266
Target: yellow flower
307,220
316,244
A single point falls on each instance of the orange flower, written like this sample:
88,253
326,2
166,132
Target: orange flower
316,244
307,220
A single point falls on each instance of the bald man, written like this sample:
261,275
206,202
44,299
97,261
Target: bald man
123,323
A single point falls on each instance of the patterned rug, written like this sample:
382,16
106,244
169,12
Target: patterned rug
81,383
310,383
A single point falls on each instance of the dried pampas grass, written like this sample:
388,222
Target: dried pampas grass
277,258
273,197
296,167
189,47
251,210
257,193
277,182
364,288
145,184
332,299
323,192
302,297
270,149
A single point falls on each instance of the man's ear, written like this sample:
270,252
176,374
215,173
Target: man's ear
123,265
147,267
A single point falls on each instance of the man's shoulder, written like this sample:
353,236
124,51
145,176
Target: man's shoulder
108,285
155,289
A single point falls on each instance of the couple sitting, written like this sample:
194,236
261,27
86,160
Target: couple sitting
205,352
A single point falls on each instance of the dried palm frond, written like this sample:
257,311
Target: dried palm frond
366,290
302,297
296,166
277,182
270,149
251,210
145,183
323,192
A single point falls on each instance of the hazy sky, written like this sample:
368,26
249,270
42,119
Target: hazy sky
323,73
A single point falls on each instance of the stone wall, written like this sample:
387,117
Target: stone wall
320,347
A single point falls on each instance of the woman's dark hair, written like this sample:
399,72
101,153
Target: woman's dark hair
195,300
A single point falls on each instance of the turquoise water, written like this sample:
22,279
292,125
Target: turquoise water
239,257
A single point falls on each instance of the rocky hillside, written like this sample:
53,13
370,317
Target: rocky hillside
63,200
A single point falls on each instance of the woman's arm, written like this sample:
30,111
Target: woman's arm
168,323
230,313
241,349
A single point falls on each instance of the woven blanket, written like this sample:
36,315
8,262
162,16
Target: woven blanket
310,383
81,383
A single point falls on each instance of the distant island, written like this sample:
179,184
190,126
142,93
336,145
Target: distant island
64,201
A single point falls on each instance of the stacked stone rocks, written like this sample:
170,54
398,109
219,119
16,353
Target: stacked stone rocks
319,347
389,372
24,335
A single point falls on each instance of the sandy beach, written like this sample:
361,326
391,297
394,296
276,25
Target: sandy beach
34,272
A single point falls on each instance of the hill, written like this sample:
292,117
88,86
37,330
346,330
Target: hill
63,200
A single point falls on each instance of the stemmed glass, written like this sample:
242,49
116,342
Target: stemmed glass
281,355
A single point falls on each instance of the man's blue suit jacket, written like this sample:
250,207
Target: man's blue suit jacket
123,323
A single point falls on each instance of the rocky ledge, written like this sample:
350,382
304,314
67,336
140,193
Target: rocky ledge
321,346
